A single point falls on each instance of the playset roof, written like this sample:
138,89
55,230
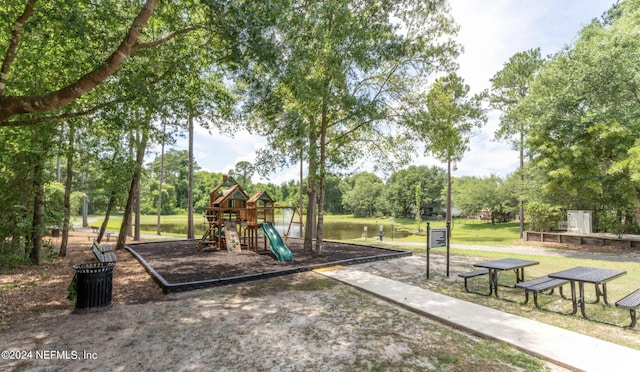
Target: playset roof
227,181
262,196
234,193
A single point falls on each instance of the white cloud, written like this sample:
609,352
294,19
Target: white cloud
220,151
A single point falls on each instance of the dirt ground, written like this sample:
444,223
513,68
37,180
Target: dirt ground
29,291
303,321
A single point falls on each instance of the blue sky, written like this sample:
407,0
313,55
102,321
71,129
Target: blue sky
491,31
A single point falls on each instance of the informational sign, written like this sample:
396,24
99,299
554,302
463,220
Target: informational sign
438,238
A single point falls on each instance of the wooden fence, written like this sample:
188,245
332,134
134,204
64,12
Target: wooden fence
578,239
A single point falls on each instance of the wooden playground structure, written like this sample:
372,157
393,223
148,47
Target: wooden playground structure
233,218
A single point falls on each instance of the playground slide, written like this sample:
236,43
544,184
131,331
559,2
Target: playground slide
231,236
282,252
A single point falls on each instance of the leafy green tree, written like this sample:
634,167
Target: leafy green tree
542,216
402,196
54,200
464,196
83,48
55,52
475,195
447,121
511,192
333,195
176,170
243,173
616,222
583,107
362,194
203,183
418,191
340,66
508,87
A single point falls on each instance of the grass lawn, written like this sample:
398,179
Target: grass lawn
115,221
464,231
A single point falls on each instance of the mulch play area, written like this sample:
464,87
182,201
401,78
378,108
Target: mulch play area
179,266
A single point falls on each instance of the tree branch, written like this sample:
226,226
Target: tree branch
163,40
10,106
70,115
16,36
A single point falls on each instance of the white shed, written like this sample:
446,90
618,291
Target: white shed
579,221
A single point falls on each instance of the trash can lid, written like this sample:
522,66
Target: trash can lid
94,267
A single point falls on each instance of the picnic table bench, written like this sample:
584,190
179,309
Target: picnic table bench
472,274
541,284
103,253
631,302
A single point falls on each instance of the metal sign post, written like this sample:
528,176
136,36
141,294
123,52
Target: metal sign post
427,250
448,247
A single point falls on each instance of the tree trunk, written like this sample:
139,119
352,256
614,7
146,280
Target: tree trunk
67,191
322,166
310,218
161,180
85,198
58,168
136,176
107,215
311,190
448,219
301,201
110,205
132,144
38,212
636,212
37,228
190,227
136,234
521,201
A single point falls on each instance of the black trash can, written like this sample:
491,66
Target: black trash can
93,282
55,232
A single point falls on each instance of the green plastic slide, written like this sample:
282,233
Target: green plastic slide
282,252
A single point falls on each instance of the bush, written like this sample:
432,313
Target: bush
9,261
615,222
541,216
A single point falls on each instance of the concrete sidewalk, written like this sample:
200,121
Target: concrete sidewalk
565,348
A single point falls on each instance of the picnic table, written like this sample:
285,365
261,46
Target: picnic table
582,275
496,267
106,233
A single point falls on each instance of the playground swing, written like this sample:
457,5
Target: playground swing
289,224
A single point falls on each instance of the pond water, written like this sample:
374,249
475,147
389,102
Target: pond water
335,230
344,230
